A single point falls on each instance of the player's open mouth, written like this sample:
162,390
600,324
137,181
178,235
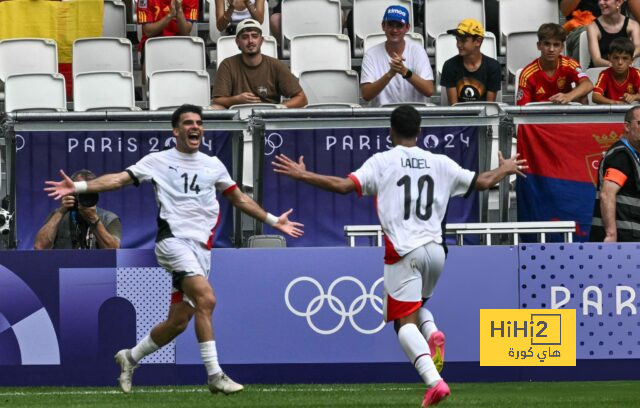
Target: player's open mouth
194,137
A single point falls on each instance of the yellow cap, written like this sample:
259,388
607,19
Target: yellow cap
468,26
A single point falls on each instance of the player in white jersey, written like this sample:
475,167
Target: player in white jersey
185,182
412,188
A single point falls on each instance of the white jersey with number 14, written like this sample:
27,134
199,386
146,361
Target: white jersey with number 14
413,187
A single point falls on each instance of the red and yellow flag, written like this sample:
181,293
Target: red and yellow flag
62,21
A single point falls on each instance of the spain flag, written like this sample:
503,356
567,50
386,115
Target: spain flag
62,21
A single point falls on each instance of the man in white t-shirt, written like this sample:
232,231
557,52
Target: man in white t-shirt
412,188
396,70
185,181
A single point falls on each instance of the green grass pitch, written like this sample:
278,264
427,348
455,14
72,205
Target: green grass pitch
515,394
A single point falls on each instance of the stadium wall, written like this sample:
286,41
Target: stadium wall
306,314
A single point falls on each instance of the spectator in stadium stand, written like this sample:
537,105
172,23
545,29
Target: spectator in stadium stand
230,12
470,76
396,70
79,224
620,83
252,77
186,181
616,212
275,20
578,14
414,254
165,18
610,25
549,78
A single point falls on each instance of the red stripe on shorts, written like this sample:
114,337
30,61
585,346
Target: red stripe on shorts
397,309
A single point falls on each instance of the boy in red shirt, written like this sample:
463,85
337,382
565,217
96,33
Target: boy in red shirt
620,83
550,77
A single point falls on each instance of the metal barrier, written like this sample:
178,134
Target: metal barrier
265,120
566,228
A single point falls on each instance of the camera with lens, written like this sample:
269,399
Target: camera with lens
5,219
86,200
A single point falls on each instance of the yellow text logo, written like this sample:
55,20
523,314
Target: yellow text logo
527,337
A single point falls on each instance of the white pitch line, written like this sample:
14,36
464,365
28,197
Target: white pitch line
188,390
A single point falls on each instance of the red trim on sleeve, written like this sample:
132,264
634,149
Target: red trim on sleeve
616,176
176,297
357,183
397,309
391,256
229,189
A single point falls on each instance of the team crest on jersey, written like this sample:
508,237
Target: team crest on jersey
562,81
142,4
630,89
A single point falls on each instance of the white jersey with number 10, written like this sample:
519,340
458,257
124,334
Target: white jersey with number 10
413,187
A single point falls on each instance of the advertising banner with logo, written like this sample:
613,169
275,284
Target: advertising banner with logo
338,152
65,313
41,155
563,171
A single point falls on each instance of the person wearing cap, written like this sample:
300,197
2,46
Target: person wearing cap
396,70
231,12
252,77
470,76
550,77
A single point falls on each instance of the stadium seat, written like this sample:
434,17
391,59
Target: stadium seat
174,53
367,18
114,20
521,50
102,54
446,48
319,51
514,17
103,91
416,104
27,55
309,17
443,15
377,38
332,106
593,74
215,34
226,47
172,88
584,55
331,86
35,93
266,241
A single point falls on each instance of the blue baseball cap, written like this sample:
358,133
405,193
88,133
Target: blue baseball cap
396,13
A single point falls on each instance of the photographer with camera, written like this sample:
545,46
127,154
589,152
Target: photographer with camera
79,224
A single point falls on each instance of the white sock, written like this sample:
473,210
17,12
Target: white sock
209,356
143,349
427,324
416,348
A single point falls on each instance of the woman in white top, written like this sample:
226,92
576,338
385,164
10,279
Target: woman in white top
230,12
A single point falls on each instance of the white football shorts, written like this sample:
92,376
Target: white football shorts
412,279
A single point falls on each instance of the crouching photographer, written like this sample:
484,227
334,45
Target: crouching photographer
79,224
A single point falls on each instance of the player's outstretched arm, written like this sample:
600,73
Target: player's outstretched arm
298,171
107,182
505,168
248,206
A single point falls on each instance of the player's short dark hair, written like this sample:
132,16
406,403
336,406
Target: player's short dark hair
175,118
628,116
551,31
405,121
622,45
85,174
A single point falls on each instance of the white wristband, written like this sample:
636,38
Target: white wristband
271,219
81,186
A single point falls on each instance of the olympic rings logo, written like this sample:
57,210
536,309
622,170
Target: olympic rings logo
337,305
271,143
